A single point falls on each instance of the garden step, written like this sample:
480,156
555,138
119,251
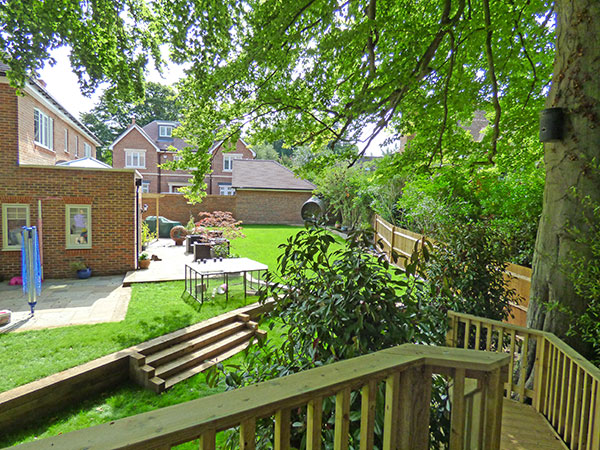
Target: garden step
181,376
192,359
177,350
168,340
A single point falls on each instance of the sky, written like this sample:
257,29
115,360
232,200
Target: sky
62,84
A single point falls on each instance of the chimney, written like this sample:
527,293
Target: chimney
41,83
133,121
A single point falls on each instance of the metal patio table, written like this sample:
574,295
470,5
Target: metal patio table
199,272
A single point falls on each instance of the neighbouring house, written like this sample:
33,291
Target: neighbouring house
145,148
84,211
267,192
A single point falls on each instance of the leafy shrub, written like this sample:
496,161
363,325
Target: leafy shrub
466,272
509,204
338,304
147,236
344,189
219,220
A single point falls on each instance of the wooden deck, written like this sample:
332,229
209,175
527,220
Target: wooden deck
523,428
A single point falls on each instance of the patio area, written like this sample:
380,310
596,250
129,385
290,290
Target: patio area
170,268
67,302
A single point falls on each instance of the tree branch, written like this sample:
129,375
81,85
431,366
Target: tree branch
492,75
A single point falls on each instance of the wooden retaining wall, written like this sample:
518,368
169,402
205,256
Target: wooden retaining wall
401,241
33,401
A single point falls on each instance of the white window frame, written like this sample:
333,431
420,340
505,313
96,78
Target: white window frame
5,207
66,140
174,186
228,160
87,149
129,158
145,187
226,189
167,129
76,145
43,129
68,241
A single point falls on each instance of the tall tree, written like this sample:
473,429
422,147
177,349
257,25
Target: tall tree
323,69
110,41
320,70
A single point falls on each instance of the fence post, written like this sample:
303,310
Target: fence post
392,243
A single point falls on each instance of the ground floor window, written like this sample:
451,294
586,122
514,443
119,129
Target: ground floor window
226,189
79,226
145,187
14,216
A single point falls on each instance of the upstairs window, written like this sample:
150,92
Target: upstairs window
87,149
135,159
43,127
228,161
165,131
14,216
66,140
76,145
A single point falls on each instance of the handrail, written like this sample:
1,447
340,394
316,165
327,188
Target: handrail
566,386
405,370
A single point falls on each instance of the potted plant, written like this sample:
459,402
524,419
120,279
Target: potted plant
144,261
82,270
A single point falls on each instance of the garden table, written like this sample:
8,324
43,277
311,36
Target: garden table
201,271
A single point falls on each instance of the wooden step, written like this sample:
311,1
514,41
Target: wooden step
168,340
168,354
181,376
196,358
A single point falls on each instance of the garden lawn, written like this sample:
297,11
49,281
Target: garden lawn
155,309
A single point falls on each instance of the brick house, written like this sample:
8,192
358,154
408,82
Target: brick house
267,192
144,148
83,214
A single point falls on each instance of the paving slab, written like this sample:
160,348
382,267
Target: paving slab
171,266
67,302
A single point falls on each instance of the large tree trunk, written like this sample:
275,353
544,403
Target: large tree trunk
570,172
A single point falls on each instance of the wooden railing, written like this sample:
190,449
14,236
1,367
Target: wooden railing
402,242
406,372
566,387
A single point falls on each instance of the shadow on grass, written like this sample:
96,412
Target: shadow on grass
156,326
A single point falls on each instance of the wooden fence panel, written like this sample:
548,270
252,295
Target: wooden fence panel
389,237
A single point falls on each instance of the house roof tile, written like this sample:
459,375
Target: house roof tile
266,174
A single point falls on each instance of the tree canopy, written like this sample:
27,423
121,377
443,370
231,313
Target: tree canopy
110,41
319,71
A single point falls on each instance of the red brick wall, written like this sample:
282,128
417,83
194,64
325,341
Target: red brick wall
218,174
280,207
111,195
31,153
176,206
252,207
135,140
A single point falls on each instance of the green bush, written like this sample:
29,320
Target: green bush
466,272
510,205
338,304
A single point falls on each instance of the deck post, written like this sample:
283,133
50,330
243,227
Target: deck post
415,399
493,391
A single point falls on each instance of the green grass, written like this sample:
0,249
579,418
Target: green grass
261,241
154,309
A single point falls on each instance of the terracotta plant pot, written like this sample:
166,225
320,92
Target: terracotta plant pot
144,263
